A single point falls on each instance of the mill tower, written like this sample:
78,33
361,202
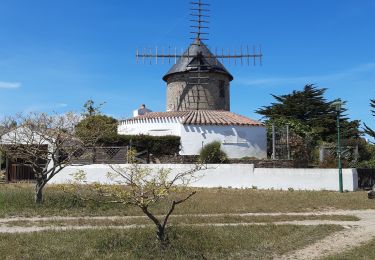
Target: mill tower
198,80
198,97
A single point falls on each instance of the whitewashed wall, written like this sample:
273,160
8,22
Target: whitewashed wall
304,179
213,176
155,127
237,176
237,141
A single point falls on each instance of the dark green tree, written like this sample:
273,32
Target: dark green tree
312,119
92,129
95,126
89,108
367,129
309,107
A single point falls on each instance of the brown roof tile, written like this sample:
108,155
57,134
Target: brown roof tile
201,117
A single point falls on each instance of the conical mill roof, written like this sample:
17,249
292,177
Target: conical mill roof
197,54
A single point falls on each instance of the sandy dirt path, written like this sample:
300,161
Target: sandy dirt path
354,234
313,213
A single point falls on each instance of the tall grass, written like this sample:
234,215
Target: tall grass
251,242
17,200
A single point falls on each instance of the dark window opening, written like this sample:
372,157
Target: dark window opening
221,89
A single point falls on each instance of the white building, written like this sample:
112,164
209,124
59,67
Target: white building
198,109
239,135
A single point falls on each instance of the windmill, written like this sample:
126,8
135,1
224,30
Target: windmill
197,79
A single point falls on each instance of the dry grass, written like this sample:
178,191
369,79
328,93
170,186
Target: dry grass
17,200
250,242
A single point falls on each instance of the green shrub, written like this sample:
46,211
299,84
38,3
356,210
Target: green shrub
2,159
212,153
370,164
93,128
157,145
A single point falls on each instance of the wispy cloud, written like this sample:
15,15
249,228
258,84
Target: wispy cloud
10,85
45,107
277,81
59,105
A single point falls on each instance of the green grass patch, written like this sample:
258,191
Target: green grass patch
366,251
242,242
17,200
175,220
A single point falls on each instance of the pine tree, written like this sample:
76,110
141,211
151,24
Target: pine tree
309,107
367,129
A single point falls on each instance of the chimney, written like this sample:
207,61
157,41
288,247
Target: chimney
142,110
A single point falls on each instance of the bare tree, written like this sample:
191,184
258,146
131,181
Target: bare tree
140,186
46,143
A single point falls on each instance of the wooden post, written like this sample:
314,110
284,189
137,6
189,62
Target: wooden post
287,141
1,159
273,142
6,169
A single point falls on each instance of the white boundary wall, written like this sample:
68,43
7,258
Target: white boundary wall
236,176
304,179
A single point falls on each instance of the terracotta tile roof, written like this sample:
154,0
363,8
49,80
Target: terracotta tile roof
200,117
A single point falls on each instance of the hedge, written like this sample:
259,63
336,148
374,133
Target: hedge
156,145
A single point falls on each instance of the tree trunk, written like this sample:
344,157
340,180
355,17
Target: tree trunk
94,154
39,193
161,234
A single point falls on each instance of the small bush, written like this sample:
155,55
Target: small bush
212,153
2,175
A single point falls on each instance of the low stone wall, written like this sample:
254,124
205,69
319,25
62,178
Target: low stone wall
236,176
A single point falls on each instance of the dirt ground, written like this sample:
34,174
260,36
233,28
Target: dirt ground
354,234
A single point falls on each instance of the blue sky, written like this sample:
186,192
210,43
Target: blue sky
56,54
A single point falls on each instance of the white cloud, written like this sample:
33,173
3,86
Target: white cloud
10,85
45,107
61,105
272,81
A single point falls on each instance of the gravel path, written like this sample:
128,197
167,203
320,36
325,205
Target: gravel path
355,232
314,213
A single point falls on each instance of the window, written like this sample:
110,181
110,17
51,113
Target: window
221,88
